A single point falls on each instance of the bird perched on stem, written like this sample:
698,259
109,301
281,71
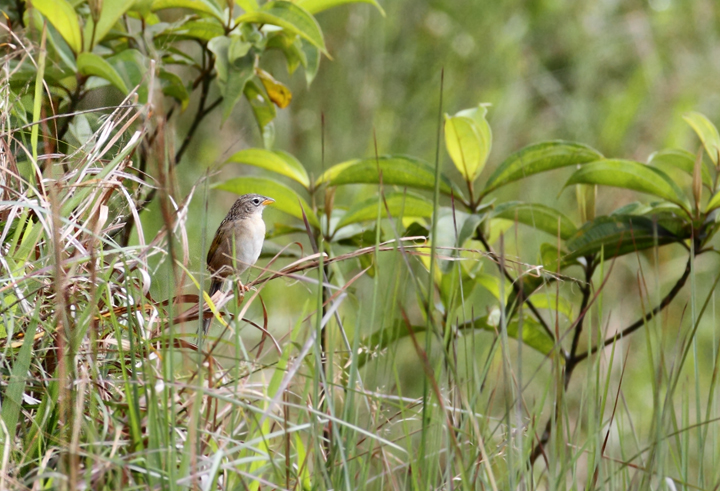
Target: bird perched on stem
238,241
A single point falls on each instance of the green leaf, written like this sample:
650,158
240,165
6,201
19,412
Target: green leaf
263,110
537,216
469,226
130,64
405,204
111,12
537,158
234,88
12,397
62,16
679,159
290,17
551,301
315,6
492,284
276,161
92,64
234,69
312,54
247,5
396,169
628,174
202,29
291,46
286,199
707,132
468,140
199,6
618,235
173,86
713,203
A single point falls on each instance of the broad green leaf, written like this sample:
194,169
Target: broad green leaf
233,70
551,301
173,86
219,47
550,255
409,205
276,161
469,226
537,216
618,235
199,6
290,17
247,5
130,64
234,87
468,140
628,174
537,158
707,132
679,159
92,64
291,46
492,284
62,16
263,110
286,199
111,12
315,6
396,169
202,29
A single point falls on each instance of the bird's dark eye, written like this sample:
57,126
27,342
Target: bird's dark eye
256,201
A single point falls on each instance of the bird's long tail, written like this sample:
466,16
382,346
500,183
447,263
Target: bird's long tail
215,285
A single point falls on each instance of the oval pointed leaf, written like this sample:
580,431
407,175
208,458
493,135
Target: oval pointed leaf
707,132
467,144
618,235
537,216
290,17
201,6
62,16
92,64
286,199
396,169
633,175
276,161
538,158
315,6
679,159
399,204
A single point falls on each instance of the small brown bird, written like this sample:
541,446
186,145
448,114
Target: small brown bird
241,232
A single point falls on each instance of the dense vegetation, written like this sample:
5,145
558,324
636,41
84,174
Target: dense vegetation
466,300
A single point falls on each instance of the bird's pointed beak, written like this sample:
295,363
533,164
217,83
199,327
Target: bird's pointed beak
268,201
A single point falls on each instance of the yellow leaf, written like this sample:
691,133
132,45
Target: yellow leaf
278,93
